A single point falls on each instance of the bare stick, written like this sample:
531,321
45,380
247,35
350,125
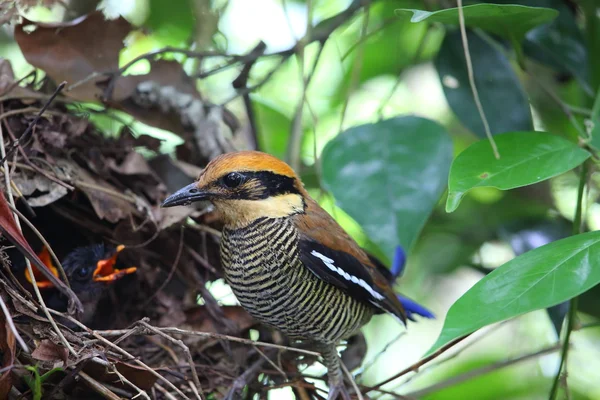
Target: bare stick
419,363
11,202
12,326
352,382
120,350
185,349
463,34
139,391
29,131
98,387
480,371
211,335
59,266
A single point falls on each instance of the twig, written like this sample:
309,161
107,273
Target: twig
415,60
98,387
58,265
357,65
29,131
277,368
120,350
185,349
293,150
165,392
211,335
419,363
241,82
241,381
12,326
28,161
352,382
171,272
11,202
480,371
465,41
573,304
295,140
458,352
139,391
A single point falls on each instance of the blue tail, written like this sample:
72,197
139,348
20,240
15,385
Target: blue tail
399,263
412,308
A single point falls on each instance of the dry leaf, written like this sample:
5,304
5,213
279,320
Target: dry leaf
7,347
49,351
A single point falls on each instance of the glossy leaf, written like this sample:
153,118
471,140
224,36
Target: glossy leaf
273,127
388,176
525,158
540,278
560,44
502,97
505,20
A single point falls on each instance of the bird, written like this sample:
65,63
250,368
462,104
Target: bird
288,262
89,270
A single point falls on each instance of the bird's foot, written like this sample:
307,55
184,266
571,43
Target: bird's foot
338,391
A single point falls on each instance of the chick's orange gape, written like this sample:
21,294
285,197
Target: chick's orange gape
40,279
289,263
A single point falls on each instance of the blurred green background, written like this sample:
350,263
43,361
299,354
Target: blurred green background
375,66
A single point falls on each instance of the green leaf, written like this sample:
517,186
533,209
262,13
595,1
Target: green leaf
525,158
273,127
560,44
388,176
540,278
505,20
502,97
172,21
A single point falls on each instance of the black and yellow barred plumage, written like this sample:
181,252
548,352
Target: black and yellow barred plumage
262,266
287,261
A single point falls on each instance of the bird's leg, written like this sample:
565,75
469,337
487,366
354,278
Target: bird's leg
332,361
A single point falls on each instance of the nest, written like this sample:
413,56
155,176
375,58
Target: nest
158,333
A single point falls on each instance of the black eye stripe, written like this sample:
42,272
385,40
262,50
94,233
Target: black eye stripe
259,185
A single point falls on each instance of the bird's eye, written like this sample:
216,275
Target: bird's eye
233,179
83,273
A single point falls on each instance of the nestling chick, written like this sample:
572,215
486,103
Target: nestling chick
288,262
89,269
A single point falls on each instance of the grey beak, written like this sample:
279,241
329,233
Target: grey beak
185,196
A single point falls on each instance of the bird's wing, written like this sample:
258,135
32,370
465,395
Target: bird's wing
333,256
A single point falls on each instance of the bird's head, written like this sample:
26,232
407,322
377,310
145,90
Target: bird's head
245,186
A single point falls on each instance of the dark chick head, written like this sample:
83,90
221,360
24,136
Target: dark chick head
244,186
89,270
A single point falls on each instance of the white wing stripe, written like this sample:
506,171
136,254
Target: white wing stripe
329,264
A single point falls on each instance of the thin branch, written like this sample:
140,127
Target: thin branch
415,60
573,304
5,154
98,387
357,65
351,379
29,131
59,267
123,352
419,363
210,335
463,34
11,325
186,351
480,371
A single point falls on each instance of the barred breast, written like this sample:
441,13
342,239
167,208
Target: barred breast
263,268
